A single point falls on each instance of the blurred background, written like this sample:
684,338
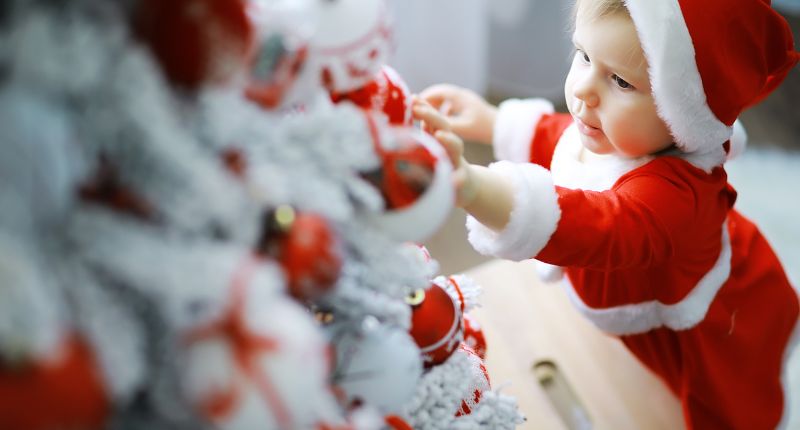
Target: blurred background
521,48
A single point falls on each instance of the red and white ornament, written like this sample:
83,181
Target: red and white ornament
196,41
386,92
63,391
351,43
279,56
436,323
262,363
307,249
414,180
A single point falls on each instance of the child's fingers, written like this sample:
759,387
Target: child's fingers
432,118
453,145
437,94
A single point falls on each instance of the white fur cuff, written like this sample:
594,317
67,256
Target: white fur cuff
534,217
515,125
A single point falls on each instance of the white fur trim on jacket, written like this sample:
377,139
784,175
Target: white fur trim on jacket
675,79
514,127
790,397
643,317
533,219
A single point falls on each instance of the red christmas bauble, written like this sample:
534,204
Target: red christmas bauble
436,324
408,165
473,336
63,393
386,93
414,179
196,41
407,173
308,250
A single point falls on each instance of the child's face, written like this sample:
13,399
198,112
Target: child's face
608,90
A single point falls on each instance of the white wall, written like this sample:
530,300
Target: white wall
441,41
499,47
530,48
787,6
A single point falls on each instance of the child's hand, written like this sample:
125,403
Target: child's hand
436,124
470,116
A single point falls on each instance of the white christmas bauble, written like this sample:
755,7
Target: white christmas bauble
351,43
376,365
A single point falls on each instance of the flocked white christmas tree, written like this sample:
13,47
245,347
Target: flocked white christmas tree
208,216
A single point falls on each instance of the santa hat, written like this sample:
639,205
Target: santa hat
709,60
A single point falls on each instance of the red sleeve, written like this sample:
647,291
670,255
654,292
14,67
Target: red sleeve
645,219
546,135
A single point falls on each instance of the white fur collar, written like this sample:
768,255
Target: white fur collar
595,174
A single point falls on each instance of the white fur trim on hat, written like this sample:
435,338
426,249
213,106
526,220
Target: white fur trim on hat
533,220
738,140
674,77
646,316
514,127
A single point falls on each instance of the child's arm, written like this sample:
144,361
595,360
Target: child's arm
468,114
637,223
484,194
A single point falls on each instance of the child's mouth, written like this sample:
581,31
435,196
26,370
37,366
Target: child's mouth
586,129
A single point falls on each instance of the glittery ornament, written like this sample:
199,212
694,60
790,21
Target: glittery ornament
480,381
474,337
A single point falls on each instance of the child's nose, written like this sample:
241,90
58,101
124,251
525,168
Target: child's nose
584,90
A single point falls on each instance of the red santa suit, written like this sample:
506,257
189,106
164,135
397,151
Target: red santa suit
654,253
652,248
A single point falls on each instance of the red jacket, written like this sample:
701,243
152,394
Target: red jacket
655,254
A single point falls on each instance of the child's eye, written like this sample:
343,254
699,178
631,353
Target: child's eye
582,55
622,83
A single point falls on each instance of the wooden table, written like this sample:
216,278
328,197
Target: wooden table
596,379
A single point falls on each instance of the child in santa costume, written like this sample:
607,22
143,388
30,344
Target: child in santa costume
628,194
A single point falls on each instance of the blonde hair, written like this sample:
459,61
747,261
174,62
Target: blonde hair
594,9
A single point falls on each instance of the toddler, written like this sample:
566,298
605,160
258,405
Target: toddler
628,194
